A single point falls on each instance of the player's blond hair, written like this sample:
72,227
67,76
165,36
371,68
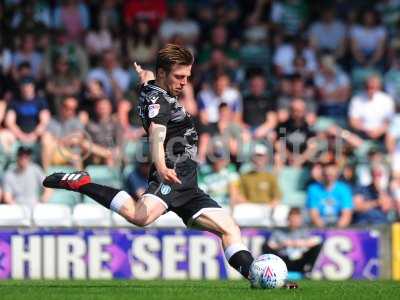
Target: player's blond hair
173,54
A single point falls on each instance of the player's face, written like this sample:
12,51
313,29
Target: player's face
177,78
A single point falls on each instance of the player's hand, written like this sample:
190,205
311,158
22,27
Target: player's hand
169,175
144,75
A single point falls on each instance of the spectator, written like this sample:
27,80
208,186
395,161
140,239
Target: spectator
130,130
259,108
27,53
137,179
296,88
99,38
258,185
105,134
298,248
333,87
114,79
220,179
73,15
328,34
225,132
76,55
290,15
27,116
219,40
218,64
392,76
222,92
22,184
153,11
63,83
371,111
286,52
63,134
368,41
94,90
392,143
330,202
142,44
295,143
179,24
32,17
390,12
373,202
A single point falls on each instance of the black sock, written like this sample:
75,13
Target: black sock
241,261
101,193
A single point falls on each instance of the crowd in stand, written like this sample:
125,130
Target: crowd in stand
295,101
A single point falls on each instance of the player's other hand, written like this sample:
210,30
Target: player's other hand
144,75
169,175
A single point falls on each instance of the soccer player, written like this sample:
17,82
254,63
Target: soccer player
173,174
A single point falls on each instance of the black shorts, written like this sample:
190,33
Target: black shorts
186,199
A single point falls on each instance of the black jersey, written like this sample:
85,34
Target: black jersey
156,105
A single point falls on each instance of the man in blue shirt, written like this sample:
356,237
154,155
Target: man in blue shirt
330,202
27,116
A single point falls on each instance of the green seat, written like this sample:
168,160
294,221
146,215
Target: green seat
129,151
105,175
292,181
65,197
295,199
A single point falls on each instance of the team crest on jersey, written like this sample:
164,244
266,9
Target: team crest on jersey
165,189
153,97
154,109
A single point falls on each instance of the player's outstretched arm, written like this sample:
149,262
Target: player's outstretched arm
157,135
144,75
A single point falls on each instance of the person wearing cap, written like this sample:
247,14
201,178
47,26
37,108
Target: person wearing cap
27,115
260,186
22,183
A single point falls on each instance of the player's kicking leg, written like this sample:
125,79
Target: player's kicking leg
140,213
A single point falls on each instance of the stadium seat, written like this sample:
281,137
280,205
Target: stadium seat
251,214
292,181
295,199
129,151
65,197
15,215
103,174
170,219
52,215
91,215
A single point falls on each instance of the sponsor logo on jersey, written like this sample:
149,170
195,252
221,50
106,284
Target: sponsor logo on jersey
165,189
154,109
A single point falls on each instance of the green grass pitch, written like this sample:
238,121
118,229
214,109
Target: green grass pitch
191,290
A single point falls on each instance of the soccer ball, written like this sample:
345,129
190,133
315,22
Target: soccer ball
268,271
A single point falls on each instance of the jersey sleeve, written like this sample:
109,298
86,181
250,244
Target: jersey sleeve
158,110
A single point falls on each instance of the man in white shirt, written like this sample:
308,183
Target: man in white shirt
222,92
371,111
114,79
